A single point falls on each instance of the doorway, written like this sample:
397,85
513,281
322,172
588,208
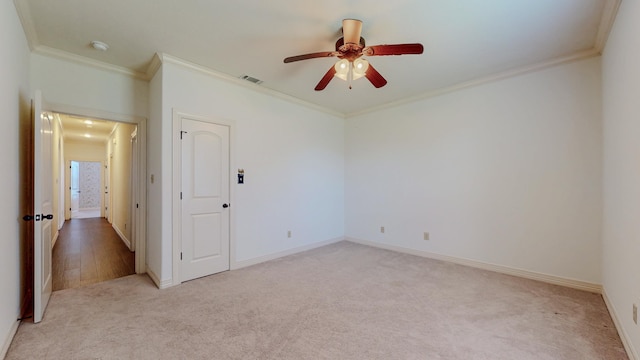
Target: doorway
51,173
85,193
98,236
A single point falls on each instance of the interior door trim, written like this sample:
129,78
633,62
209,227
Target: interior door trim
176,212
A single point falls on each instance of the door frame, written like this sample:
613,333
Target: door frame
176,208
141,123
62,194
133,188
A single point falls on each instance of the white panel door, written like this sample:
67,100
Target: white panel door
205,198
43,208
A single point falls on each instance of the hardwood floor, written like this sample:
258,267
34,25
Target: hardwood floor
89,251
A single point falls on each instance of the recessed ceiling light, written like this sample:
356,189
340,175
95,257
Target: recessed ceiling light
87,135
99,45
88,122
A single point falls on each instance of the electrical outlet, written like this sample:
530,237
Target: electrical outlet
426,236
289,233
382,229
635,314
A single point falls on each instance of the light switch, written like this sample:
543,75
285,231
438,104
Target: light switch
240,176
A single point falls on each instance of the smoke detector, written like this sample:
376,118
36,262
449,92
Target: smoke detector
99,45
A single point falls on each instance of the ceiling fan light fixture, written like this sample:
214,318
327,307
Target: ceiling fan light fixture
342,69
349,71
360,67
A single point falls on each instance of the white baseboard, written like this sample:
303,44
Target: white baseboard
624,337
124,238
244,263
55,239
156,280
551,279
9,339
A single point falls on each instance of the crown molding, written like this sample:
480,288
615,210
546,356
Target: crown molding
165,58
609,14
481,81
24,13
63,55
607,20
154,66
160,58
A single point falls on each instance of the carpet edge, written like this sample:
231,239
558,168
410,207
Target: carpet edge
624,337
532,275
9,339
235,265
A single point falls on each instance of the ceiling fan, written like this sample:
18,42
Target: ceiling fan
350,49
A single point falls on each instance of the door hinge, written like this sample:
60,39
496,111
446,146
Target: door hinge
136,206
182,132
180,256
180,195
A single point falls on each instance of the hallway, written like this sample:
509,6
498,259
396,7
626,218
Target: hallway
89,251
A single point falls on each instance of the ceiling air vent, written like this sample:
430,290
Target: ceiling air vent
251,79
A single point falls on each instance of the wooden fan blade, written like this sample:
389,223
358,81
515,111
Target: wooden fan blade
374,76
325,79
396,49
351,30
310,56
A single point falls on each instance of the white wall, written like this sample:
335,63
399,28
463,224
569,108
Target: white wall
84,150
120,184
15,97
293,159
506,173
155,202
68,83
621,225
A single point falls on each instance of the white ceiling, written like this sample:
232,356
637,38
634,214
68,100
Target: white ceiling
85,129
465,40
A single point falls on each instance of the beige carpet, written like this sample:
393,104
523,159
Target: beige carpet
342,301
